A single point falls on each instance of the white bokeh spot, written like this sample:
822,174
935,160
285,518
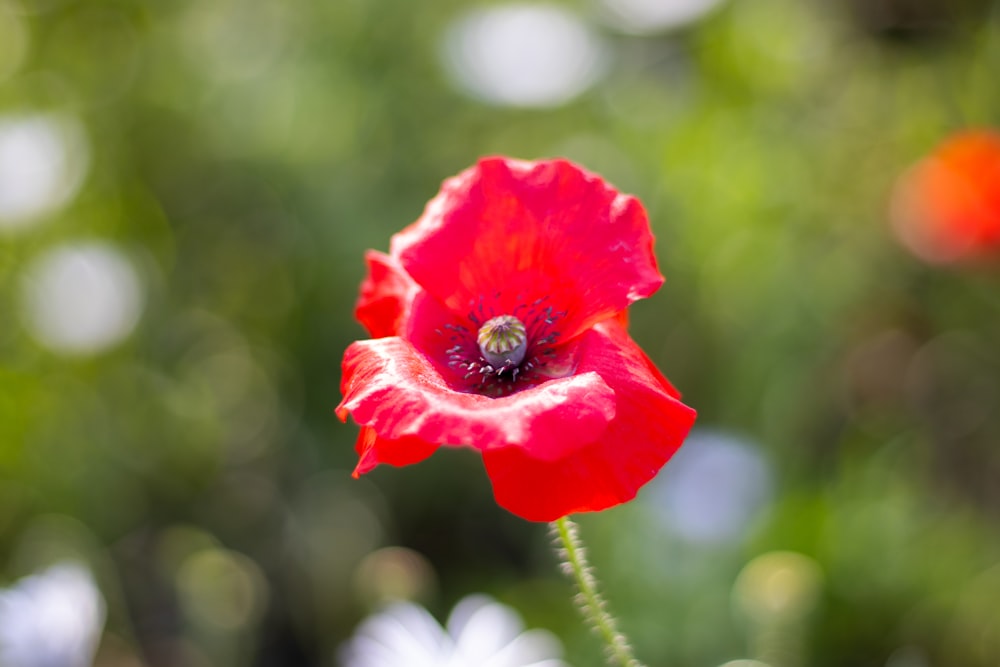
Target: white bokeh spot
647,16
80,299
713,488
523,55
51,619
43,161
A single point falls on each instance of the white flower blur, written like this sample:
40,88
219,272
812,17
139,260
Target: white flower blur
480,633
51,619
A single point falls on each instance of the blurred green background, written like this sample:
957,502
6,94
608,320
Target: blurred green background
186,191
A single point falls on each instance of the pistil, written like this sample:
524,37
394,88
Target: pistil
503,342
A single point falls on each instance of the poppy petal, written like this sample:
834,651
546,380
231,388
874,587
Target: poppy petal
391,387
373,450
649,426
513,233
386,293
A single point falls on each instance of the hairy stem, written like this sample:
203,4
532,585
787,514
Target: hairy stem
589,601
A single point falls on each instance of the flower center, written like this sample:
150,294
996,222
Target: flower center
498,355
503,342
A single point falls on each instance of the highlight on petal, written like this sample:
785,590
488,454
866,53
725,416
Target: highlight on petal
510,232
392,388
650,424
385,296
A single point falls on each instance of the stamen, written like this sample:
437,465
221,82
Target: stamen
500,355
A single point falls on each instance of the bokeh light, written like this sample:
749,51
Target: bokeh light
236,42
51,619
713,489
777,594
523,55
221,591
947,207
81,298
43,160
394,573
648,16
778,585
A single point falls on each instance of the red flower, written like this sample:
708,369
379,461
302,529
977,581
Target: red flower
499,323
947,207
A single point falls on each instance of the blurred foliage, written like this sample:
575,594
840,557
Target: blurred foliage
242,156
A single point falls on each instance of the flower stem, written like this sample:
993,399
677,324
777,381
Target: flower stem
589,601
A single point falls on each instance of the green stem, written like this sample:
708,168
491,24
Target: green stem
591,604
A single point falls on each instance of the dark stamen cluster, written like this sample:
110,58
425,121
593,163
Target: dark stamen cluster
466,358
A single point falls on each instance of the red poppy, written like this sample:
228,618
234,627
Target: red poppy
947,207
499,323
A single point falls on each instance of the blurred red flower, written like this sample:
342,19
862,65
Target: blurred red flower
499,323
947,207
